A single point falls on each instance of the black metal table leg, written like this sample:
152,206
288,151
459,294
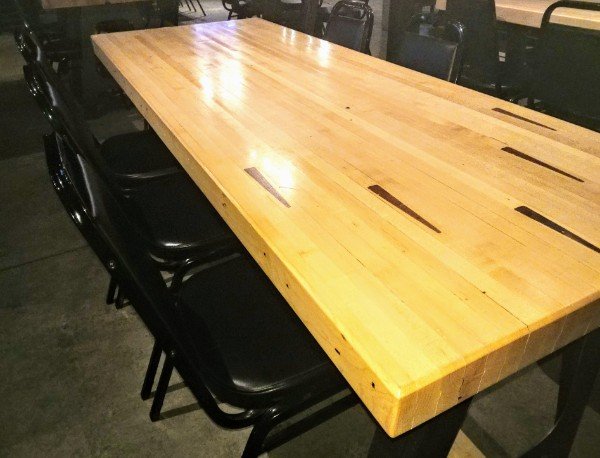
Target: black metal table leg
580,365
431,439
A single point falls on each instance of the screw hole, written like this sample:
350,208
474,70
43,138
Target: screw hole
372,384
337,351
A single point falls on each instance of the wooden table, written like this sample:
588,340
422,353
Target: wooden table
529,13
395,212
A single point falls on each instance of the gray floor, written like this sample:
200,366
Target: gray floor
71,366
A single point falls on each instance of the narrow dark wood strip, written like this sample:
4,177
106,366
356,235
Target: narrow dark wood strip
255,173
518,153
396,203
556,227
508,113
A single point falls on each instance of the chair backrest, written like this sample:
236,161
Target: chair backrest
131,263
28,44
350,25
69,183
481,34
39,94
437,54
138,276
66,115
567,67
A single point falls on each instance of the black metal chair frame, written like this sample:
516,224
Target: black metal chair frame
355,9
496,75
33,48
452,31
579,118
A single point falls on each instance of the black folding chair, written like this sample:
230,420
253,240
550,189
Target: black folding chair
350,25
129,158
437,53
482,68
566,80
60,52
174,219
227,331
239,9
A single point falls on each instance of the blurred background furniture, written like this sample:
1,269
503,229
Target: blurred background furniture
350,25
437,52
566,78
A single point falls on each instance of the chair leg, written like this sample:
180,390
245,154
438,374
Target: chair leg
121,300
151,371
161,389
112,290
254,446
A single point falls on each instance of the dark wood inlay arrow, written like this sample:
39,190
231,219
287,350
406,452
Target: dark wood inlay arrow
522,155
260,178
508,113
556,227
385,195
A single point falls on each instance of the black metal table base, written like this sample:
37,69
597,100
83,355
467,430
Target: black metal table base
579,369
580,366
431,439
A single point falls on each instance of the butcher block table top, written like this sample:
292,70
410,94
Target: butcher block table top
529,13
55,4
433,240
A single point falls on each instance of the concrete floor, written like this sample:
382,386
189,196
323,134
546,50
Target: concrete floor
71,366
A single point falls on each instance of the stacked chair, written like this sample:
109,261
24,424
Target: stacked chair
351,25
566,75
438,52
219,320
146,174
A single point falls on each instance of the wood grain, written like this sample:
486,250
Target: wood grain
529,13
414,319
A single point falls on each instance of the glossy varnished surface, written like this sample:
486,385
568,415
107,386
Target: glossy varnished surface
529,13
382,203
56,4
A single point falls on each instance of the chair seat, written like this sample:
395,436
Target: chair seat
176,218
139,155
235,312
513,81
